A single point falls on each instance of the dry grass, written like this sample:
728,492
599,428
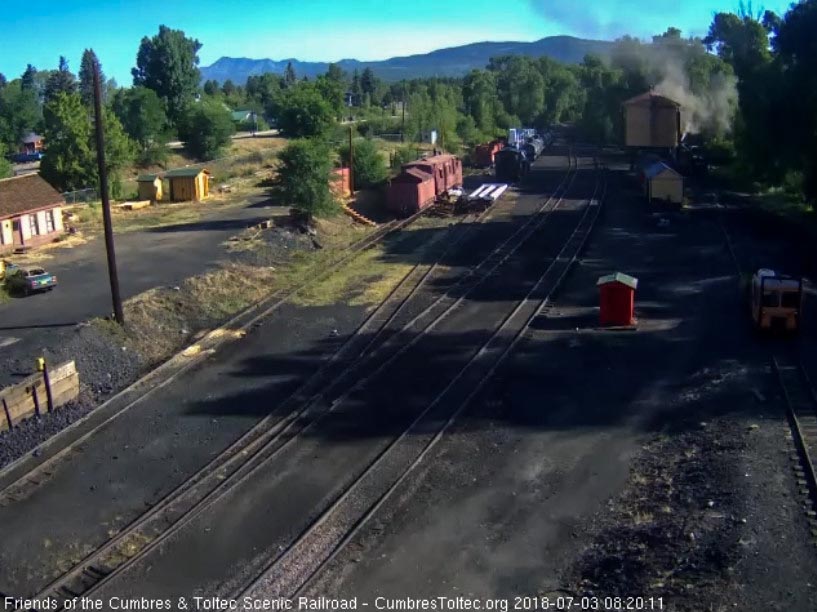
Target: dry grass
260,143
364,281
160,320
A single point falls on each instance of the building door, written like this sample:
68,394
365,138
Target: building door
17,232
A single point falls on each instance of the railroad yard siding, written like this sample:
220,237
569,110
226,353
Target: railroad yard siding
221,549
508,503
153,447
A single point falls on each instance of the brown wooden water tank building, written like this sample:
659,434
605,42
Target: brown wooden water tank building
652,121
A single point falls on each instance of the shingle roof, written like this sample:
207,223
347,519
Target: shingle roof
185,172
147,178
619,277
26,193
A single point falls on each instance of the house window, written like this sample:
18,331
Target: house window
32,224
49,221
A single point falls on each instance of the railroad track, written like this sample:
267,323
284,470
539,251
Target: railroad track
300,563
262,442
30,480
801,410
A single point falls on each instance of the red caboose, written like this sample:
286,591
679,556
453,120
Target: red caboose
445,168
484,153
410,191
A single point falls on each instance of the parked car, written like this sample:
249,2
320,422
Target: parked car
30,280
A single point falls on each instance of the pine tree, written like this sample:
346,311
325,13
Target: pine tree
60,81
289,75
86,77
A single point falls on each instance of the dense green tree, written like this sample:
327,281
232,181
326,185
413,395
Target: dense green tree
3,80
69,160
797,58
120,152
368,83
335,73
211,87
142,115
331,91
28,78
304,176
61,80
228,88
19,113
168,64
304,112
290,78
206,129
480,100
5,167
86,78
368,167
356,88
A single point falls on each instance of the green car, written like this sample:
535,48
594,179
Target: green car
30,280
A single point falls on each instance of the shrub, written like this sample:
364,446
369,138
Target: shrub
206,129
369,168
303,177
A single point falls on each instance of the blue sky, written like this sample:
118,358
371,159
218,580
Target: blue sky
39,31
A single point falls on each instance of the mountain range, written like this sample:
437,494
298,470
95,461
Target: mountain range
453,61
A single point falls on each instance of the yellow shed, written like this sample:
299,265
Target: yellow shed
150,187
652,120
663,183
188,184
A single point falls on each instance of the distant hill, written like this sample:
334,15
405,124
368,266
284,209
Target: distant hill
454,61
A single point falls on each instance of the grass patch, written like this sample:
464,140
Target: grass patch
5,296
364,281
160,321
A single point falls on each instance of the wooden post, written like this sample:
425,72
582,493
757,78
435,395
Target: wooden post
47,383
351,163
35,399
8,414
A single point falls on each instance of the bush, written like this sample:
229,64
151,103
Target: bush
206,129
303,177
304,112
154,155
369,169
404,155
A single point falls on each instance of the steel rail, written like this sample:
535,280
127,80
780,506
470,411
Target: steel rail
297,565
90,573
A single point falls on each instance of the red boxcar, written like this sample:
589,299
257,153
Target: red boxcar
410,191
446,170
484,153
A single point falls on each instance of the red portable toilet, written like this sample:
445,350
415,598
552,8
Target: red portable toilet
617,299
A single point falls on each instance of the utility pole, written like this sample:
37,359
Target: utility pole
119,315
351,163
403,125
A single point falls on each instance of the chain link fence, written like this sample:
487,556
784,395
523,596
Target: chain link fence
79,196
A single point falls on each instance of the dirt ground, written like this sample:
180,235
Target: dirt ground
651,463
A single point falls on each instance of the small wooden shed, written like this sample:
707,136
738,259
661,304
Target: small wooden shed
188,184
663,183
617,294
150,187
